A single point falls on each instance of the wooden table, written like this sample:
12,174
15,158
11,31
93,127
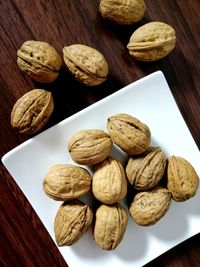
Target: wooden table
23,239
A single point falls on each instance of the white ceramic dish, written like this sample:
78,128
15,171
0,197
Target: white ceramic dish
150,100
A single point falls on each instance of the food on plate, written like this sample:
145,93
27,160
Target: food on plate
110,226
72,220
90,146
182,179
149,207
66,182
146,170
109,182
130,134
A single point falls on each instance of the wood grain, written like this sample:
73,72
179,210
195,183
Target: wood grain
23,239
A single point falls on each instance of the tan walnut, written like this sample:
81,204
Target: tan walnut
148,207
122,11
109,182
72,220
182,179
39,60
32,111
130,134
145,171
87,64
152,41
66,182
90,146
110,226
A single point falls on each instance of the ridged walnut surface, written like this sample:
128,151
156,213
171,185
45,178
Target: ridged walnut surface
122,11
39,60
90,146
110,226
87,64
182,179
145,172
32,111
66,182
149,207
109,182
130,134
72,220
152,41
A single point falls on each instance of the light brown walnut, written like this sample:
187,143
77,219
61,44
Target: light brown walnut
90,146
39,60
31,112
72,220
182,179
130,134
66,182
149,207
87,64
146,170
109,182
110,226
123,12
152,41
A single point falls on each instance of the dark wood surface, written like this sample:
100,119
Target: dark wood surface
23,239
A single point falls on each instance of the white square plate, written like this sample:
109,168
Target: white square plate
150,100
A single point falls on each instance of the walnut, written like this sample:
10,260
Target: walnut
110,226
87,64
109,181
32,111
72,220
66,182
39,60
90,146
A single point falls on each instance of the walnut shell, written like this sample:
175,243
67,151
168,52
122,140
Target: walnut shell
145,171
32,111
152,41
90,146
109,182
130,134
39,60
72,220
182,179
66,182
149,207
122,11
87,64
110,226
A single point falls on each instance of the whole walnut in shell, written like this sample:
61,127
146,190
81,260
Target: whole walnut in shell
122,11
146,170
87,64
72,220
182,179
90,146
39,60
109,181
152,41
66,182
110,226
149,207
130,134
32,111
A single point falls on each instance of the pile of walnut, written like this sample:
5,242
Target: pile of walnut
144,170
146,166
